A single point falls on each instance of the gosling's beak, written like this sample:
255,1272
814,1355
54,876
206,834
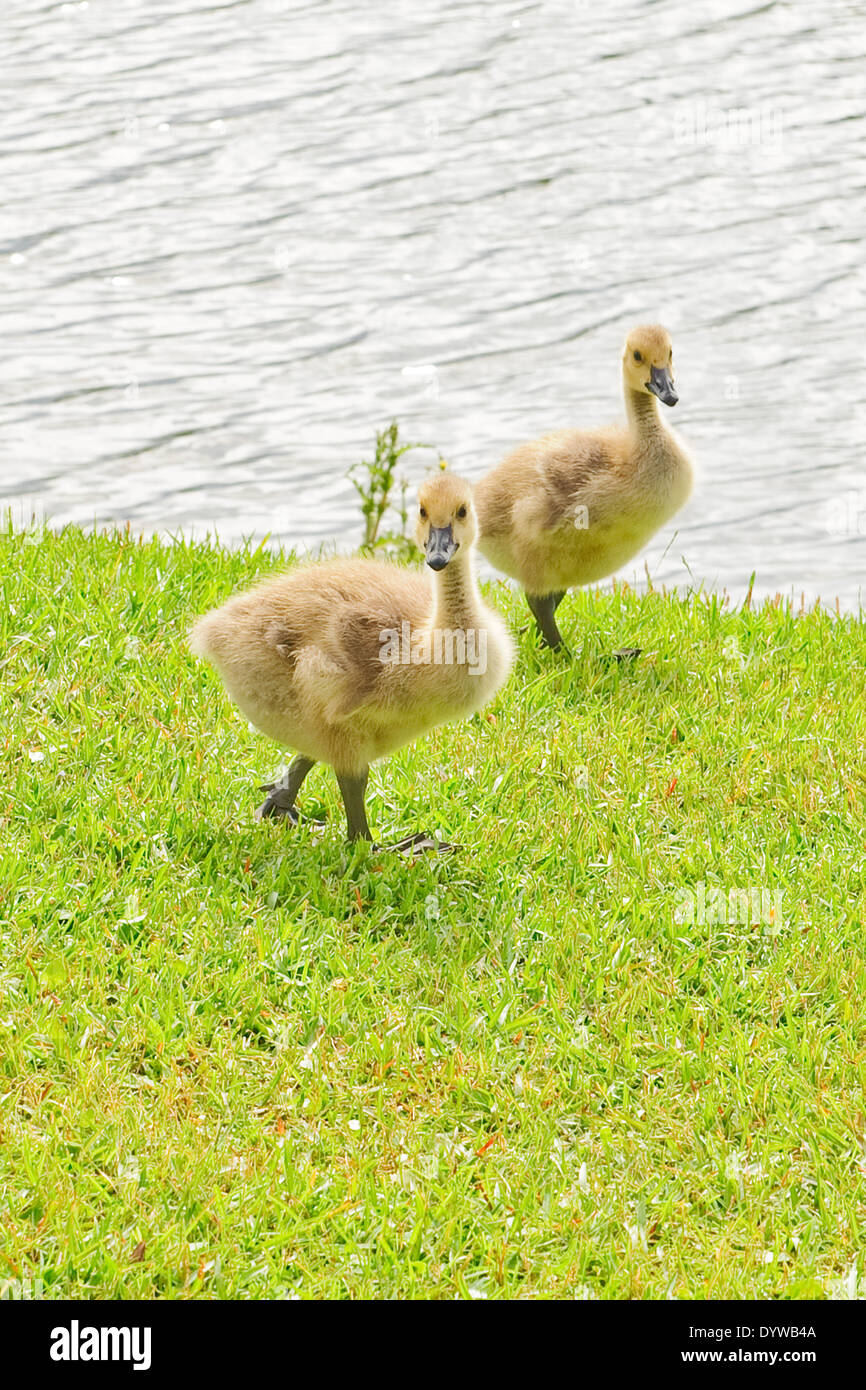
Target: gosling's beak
661,384
441,546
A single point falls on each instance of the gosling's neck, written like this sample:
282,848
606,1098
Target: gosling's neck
644,418
455,592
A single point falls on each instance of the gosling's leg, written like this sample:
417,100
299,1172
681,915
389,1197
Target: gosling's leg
353,788
543,608
280,800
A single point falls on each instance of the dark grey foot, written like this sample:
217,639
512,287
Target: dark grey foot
422,843
280,803
280,800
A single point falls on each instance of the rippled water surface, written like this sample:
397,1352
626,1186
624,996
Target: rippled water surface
237,238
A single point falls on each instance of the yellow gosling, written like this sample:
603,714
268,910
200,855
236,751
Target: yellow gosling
576,505
346,660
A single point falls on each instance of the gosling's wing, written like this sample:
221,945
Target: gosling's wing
369,638
577,469
340,657
539,485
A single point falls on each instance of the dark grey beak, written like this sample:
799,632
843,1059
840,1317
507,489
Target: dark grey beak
661,385
441,547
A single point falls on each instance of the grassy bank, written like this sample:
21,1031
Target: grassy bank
242,1060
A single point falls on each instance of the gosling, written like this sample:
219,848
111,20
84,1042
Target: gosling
575,506
346,660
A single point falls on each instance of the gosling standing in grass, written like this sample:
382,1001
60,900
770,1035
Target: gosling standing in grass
347,660
576,505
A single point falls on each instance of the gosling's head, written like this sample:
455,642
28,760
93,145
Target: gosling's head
648,362
446,519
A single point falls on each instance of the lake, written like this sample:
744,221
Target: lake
238,238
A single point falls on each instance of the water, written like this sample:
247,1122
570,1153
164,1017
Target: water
237,238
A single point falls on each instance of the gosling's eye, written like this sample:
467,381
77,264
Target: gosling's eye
423,514
461,512
637,356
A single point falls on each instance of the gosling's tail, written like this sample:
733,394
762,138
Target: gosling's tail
203,636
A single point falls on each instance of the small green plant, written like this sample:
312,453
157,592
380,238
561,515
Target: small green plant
377,481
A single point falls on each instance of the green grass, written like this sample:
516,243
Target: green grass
241,1060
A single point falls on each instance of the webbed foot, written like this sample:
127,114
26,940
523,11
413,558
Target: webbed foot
280,803
422,843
